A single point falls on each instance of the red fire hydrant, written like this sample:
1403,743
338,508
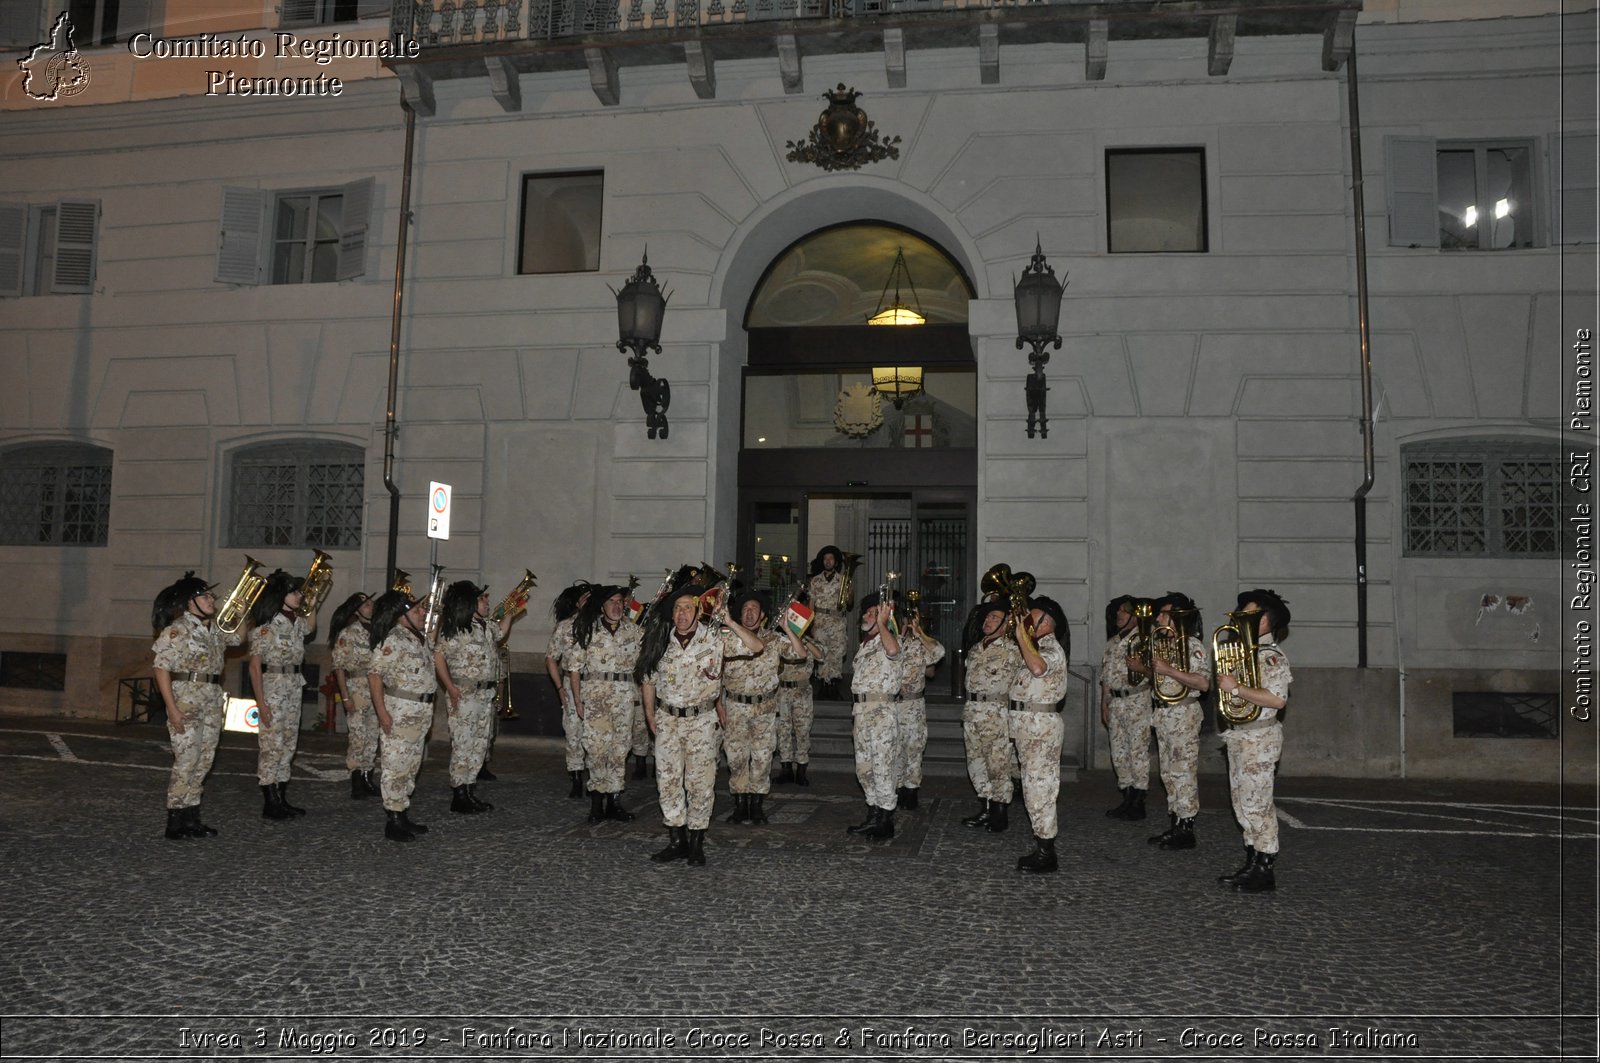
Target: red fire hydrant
330,691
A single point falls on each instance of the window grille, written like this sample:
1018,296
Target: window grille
33,671
55,496
297,494
1485,714
1481,499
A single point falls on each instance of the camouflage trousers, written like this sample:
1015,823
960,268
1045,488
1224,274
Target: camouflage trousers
910,741
828,630
361,727
275,743
990,753
608,709
402,750
686,768
1130,740
639,730
201,706
469,725
1038,736
795,713
1178,738
572,727
874,734
748,744
1252,760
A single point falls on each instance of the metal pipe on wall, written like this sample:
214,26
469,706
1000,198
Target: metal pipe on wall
390,427
1363,324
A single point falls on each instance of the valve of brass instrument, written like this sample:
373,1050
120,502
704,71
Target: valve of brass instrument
516,602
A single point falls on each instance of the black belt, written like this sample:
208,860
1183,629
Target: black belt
483,684
607,677
281,669
1034,706
791,684
747,699
408,695
198,677
684,710
859,698
1125,692
979,699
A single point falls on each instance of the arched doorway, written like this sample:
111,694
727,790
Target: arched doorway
862,435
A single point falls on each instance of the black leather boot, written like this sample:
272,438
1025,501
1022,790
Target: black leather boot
577,784
371,784
1042,860
868,824
1182,835
677,846
597,806
272,804
697,847
394,827
614,810
485,775
1016,789
411,825
785,773
192,824
982,817
1259,878
885,828
757,809
1136,808
175,829
1121,811
461,802
1249,861
800,774
1166,835
283,798
641,770
999,817
358,787
472,795
908,798
741,809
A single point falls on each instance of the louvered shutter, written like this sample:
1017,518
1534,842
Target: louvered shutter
13,239
1413,186
353,229
76,223
239,244
298,12
1573,188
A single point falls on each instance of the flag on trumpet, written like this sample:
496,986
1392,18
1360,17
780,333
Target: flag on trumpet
635,609
797,618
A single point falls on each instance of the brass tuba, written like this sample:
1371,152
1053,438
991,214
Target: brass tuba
1014,587
847,575
235,608
318,582
517,600
1233,648
1171,645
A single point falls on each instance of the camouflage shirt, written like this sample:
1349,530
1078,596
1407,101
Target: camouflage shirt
915,657
473,655
404,662
607,652
823,592
281,641
561,644
190,644
793,669
352,650
1114,673
876,673
746,673
692,674
991,667
1044,689
1275,674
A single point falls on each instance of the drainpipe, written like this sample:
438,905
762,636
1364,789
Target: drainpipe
390,428
1367,463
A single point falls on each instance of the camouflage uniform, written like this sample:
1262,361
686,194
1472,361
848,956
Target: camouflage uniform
639,729
991,667
795,711
1036,727
1253,752
1178,738
473,657
562,644
1129,724
610,700
687,681
827,624
405,665
186,647
911,711
352,651
875,683
281,645
749,685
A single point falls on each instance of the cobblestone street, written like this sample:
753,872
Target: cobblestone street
1411,919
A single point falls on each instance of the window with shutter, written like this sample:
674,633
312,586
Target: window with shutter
310,236
73,269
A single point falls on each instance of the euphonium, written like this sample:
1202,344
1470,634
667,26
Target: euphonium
1233,648
235,608
516,601
402,582
1015,587
430,622
318,581
847,574
1143,644
1171,645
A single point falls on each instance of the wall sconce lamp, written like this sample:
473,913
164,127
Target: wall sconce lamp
640,308
1038,296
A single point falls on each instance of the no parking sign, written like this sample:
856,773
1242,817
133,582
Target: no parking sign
438,510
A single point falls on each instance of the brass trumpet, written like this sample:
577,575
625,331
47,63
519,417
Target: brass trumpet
319,580
235,608
516,601
1233,648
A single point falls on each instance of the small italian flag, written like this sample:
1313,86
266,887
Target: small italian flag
635,609
798,619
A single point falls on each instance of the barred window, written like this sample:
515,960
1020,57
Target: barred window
55,495
1482,498
297,494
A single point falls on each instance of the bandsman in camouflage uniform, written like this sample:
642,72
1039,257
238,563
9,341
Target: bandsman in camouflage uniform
467,661
600,670
750,649
188,674
992,663
350,638
1125,710
403,682
796,711
823,591
1254,748
920,653
277,648
565,609
874,686
1177,725
680,678
1035,723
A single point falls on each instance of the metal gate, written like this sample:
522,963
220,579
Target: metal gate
929,553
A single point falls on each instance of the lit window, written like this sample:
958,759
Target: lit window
561,223
1156,200
1485,196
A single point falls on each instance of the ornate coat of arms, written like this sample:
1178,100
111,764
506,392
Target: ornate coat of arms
859,411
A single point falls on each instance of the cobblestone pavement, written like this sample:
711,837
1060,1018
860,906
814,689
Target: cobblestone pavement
1412,919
